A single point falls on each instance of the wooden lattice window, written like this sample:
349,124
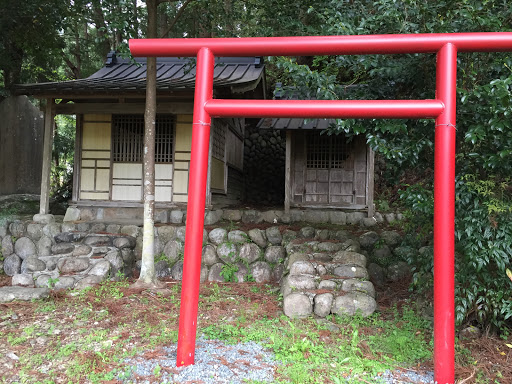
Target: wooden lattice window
219,141
326,152
164,138
128,138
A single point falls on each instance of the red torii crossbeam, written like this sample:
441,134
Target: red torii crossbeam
442,109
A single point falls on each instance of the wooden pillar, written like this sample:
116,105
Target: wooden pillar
287,173
77,157
370,177
49,116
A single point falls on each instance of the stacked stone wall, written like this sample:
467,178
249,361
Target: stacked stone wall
64,255
228,255
264,163
320,271
246,216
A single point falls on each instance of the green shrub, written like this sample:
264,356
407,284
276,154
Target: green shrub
419,223
483,231
228,272
483,238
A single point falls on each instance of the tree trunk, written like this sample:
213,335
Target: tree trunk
101,27
147,273
163,21
12,72
136,19
78,55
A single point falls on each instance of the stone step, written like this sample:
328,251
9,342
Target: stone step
330,246
21,293
327,277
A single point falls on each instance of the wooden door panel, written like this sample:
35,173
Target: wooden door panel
322,175
310,187
297,167
335,171
322,187
336,175
298,185
335,188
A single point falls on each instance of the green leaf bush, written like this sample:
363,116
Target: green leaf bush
483,242
483,230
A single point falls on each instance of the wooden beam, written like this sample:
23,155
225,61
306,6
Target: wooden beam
44,203
77,157
125,204
339,206
115,95
163,107
287,173
370,177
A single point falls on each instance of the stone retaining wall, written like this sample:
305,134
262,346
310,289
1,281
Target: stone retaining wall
329,273
320,271
41,255
227,255
264,163
247,216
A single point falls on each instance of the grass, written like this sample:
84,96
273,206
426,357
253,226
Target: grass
86,336
309,357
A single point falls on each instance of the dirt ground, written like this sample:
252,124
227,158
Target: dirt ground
64,320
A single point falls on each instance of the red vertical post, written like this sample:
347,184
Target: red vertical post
195,209
444,217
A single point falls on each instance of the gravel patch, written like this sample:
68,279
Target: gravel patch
407,377
215,362
219,363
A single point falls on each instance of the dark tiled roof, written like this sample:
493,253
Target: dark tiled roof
129,76
291,93
295,123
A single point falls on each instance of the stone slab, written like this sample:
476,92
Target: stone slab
43,218
21,293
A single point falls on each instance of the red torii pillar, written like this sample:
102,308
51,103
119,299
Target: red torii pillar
443,109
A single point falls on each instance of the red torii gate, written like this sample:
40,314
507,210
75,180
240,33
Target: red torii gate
442,109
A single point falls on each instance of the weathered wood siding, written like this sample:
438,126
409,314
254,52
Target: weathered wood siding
21,146
235,190
218,168
235,143
298,167
218,175
360,171
322,174
227,153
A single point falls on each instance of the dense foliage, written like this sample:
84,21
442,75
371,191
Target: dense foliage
78,34
63,152
29,40
483,232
